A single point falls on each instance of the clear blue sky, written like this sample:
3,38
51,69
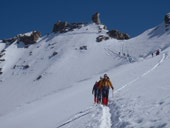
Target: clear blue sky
129,16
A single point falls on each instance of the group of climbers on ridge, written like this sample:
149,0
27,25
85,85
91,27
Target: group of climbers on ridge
101,90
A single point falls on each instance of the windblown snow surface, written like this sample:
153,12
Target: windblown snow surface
54,91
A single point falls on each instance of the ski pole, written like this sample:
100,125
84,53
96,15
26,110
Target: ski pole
112,94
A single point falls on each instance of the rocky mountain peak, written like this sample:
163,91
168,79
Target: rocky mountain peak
167,18
96,18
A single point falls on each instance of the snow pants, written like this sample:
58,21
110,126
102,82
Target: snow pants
105,95
97,96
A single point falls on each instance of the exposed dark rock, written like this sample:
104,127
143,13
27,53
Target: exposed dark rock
21,66
74,26
11,40
39,77
60,27
2,59
30,53
105,27
2,54
1,71
96,19
167,18
118,35
14,66
27,39
26,66
101,28
30,39
101,38
3,51
83,48
65,27
54,53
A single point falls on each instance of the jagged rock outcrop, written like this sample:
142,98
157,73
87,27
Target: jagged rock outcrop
96,19
118,35
1,54
65,27
101,38
60,27
105,27
11,40
75,25
30,38
167,18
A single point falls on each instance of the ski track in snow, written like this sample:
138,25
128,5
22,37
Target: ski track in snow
110,116
144,74
77,116
88,118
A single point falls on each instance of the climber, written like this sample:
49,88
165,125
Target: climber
97,91
105,85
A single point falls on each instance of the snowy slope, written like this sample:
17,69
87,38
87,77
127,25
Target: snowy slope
55,90
140,102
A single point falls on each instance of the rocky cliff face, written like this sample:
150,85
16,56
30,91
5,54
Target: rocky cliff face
118,35
96,19
27,38
65,27
31,39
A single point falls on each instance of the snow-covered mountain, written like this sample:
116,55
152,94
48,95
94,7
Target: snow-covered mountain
48,84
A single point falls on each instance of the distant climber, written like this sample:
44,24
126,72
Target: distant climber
105,85
157,52
152,54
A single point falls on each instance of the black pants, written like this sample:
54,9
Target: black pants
99,94
95,93
105,92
